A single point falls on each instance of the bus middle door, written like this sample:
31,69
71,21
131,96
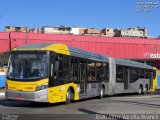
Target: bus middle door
126,78
83,77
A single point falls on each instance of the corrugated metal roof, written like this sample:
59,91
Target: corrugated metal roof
130,48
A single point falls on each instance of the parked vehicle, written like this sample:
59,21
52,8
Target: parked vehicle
3,71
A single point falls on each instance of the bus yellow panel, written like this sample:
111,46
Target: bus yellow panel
58,93
155,80
25,86
58,48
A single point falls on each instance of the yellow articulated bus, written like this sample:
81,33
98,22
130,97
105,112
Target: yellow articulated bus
52,72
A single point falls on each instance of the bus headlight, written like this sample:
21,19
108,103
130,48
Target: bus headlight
41,87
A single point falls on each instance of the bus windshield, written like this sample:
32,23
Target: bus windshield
28,65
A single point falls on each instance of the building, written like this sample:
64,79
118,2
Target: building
151,37
16,29
77,30
92,31
35,30
56,30
74,30
107,32
9,29
81,30
131,32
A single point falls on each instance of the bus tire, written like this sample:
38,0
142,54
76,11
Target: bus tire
101,92
140,90
145,89
69,95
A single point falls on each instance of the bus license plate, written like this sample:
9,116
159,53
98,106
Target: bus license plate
20,98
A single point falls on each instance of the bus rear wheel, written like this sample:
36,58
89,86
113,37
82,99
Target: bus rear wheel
145,89
140,90
101,93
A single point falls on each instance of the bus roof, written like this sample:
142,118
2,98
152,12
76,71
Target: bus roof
86,54
132,63
62,49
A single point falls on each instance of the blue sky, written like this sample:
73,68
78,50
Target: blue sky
85,13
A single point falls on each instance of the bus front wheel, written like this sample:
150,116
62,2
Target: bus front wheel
69,95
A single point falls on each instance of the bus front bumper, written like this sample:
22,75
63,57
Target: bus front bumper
38,96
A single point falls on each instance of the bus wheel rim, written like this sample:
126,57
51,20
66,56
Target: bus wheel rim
140,90
101,92
68,95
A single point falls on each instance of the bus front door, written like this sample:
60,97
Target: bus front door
126,79
83,77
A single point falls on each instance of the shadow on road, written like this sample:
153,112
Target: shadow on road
138,103
13,103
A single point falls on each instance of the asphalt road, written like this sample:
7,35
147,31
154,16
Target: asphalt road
119,104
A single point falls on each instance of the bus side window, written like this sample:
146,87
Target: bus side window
106,71
91,71
119,73
132,75
135,74
146,73
56,66
73,70
82,70
99,71
52,71
154,74
141,73
61,67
